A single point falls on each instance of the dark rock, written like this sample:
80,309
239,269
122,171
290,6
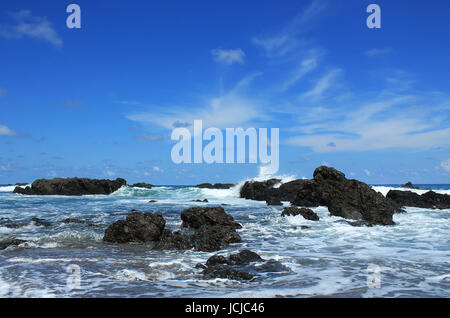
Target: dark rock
227,272
428,200
305,227
138,227
273,201
215,186
71,186
349,199
21,184
409,185
197,216
40,222
205,229
213,238
218,266
244,257
10,224
200,266
174,241
71,220
306,213
217,260
198,200
142,185
152,201
259,190
10,242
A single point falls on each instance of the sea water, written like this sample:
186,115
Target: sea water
330,258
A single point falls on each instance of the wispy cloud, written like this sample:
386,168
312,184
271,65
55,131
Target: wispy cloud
378,52
221,111
401,122
446,165
27,25
322,85
286,41
149,138
306,66
228,56
5,131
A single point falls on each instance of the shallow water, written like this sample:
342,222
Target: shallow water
331,258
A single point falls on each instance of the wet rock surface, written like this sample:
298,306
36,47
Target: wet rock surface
71,186
204,229
346,198
138,227
243,266
142,185
215,186
428,200
10,242
198,216
307,214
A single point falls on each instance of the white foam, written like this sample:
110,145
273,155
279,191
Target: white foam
11,188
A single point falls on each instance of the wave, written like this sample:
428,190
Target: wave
10,188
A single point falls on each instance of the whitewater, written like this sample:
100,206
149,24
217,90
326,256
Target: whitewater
330,258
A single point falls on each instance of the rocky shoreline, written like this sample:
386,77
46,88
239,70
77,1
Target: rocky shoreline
211,228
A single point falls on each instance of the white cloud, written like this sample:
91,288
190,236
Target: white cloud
306,66
27,25
286,42
367,172
446,165
322,85
228,56
229,110
378,52
157,169
5,131
401,122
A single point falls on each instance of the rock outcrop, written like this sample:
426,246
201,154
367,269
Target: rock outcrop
409,185
428,200
204,229
138,227
243,266
142,185
215,186
307,214
346,198
71,186
198,216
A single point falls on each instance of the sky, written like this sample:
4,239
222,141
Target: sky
102,101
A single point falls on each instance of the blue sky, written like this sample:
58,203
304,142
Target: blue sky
101,101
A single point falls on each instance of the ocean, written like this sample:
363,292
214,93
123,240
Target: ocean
330,258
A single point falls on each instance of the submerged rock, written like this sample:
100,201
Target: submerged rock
213,238
274,202
242,266
308,214
428,200
71,186
198,200
10,242
40,222
346,198
138,227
